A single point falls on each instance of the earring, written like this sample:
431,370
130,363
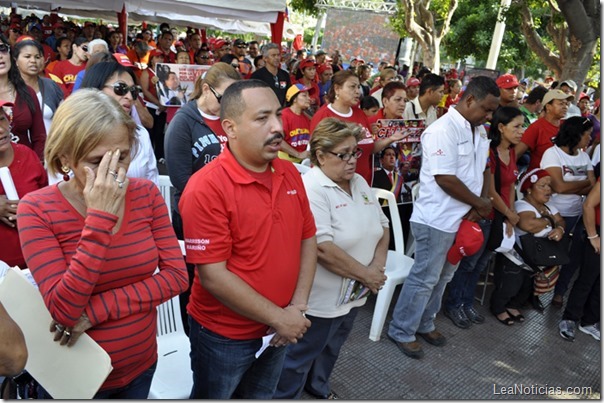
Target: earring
65,170
337,96
13,137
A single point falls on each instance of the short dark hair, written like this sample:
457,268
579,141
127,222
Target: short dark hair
391,88
481,87
503,115
368,102
535,95
430,81
232,103
383,152
98,74
571,131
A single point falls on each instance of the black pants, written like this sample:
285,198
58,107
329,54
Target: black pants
157,132
584,299
512,285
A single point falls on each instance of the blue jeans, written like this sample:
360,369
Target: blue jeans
421,295
463,284
309,363
137,389
225,368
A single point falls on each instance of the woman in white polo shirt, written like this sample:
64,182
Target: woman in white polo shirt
572,177
352,237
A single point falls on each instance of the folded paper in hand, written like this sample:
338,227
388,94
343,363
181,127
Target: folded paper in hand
75,372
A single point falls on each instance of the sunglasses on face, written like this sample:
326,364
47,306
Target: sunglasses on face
16,31
204,57
241,46
121,89
216,94
4,48
84,48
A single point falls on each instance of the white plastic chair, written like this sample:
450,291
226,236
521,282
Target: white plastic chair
173,378
398,266
165,187
302,168
410,239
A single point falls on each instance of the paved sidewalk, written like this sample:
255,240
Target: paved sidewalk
475,364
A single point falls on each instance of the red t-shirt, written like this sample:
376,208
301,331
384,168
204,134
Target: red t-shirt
28,175
230,216
216,127
67,71
539,137
296,129
508,175
81,267
365,163
27,126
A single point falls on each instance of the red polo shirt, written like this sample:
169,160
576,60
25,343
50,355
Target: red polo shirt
539,137
230,216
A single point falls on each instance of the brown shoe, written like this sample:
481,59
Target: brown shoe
411,349
558,301
434,337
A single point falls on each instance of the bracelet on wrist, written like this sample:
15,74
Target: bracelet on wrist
561,227
593,237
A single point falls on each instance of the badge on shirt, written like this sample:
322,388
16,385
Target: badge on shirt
282,84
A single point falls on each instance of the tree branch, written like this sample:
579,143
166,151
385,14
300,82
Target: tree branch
549,58
415,30
447,23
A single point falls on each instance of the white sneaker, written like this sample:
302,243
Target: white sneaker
592,330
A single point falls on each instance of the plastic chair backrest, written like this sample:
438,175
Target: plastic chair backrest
301,168
164,187
395,220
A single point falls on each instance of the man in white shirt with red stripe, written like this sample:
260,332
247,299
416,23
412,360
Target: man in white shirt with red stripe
454,185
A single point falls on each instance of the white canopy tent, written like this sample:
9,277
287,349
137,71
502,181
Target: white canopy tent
240,16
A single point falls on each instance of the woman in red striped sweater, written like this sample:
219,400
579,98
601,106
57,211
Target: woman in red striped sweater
93,242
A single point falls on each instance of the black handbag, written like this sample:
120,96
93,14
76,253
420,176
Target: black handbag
544,251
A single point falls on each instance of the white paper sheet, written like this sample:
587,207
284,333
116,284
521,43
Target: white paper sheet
265,343
75,372
7,183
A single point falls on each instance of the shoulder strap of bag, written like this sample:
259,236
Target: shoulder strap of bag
415,113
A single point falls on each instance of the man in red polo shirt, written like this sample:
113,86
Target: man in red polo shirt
249,230
164,43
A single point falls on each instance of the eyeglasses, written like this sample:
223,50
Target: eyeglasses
241,46
121,89
204,57
217,95
84,48
4,48
347,156
16,31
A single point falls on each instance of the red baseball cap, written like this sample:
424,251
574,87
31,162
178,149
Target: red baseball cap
507,81
307,63
322,67
412,82
58,24
219,43
583,96
123,60
468,241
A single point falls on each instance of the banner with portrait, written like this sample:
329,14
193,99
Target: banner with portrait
175,82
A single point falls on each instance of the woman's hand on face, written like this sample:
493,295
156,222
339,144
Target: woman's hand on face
106,190
8,211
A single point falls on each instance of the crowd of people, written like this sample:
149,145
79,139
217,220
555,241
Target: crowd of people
274,257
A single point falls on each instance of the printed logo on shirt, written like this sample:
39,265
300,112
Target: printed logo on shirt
196,243
341,205
366,199
574,170
439,153
282,85
292,192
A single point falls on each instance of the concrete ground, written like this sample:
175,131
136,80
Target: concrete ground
479,363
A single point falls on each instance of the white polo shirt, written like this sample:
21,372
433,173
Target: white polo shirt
449,147
354,223
413,110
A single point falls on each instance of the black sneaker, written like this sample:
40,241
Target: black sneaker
458,317
473,315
